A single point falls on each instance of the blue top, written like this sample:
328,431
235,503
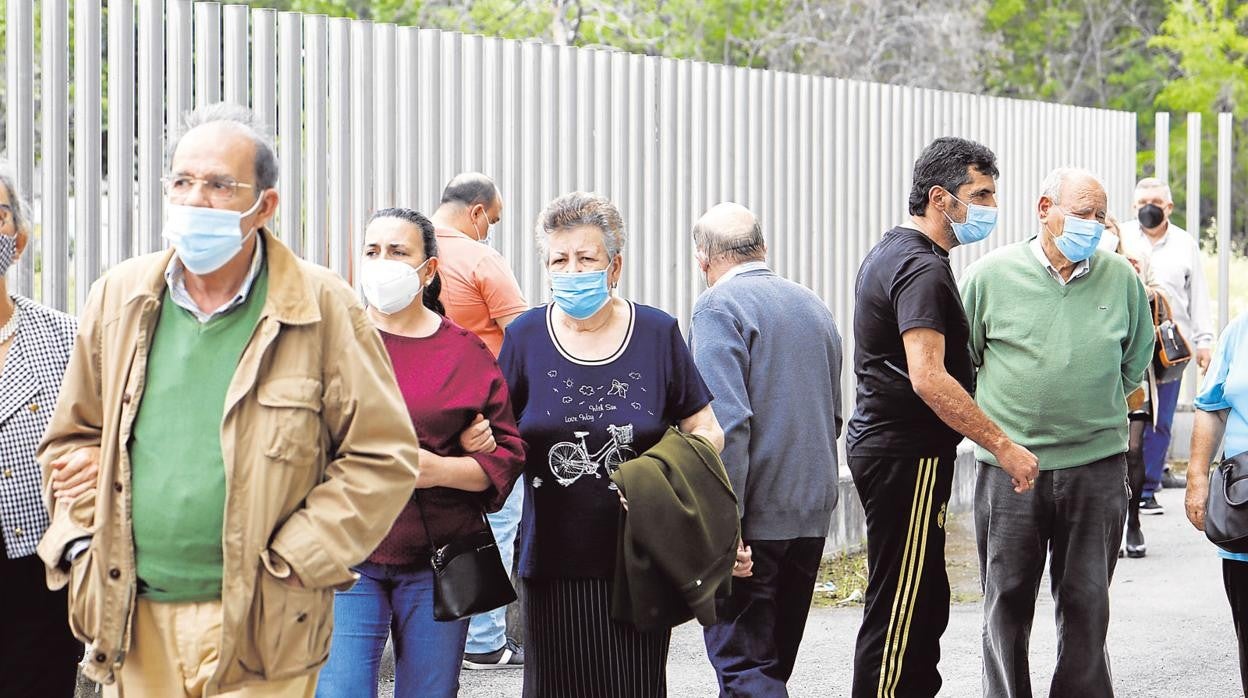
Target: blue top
580,420
1226,388
771,353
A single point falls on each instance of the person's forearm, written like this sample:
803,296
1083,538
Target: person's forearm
955,407
455,472
1207,432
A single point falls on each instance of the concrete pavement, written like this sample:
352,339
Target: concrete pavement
1170,633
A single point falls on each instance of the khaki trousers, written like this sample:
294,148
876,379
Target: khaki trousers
173,652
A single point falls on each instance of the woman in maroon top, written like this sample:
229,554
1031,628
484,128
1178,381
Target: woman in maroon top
471,455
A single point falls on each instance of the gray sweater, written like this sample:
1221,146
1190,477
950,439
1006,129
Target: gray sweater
770,352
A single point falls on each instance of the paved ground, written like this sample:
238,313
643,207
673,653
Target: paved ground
1170,635
1165,606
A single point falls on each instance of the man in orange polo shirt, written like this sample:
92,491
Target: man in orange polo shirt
480,293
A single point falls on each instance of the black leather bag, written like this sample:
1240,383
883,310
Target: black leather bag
1226,511
469,577
1172,353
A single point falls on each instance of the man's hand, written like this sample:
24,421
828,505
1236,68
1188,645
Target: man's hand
76,472
1020,464
1196,497
744,566
1202,358
291,580
478,437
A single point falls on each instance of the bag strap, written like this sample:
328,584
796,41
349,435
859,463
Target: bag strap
433,545
1157,314
1226,467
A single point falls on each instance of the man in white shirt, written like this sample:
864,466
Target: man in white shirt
1177,267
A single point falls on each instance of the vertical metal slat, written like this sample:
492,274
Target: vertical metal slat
290,129
54,235
88,232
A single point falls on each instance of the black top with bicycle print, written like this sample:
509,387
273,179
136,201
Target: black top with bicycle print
580,420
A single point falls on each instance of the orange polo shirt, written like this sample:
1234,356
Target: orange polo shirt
478,286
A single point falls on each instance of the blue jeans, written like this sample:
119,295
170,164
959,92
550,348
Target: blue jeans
753,645
1157,440
488,631
398,599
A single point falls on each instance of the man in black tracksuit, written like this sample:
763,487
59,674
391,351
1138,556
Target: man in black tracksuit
914,406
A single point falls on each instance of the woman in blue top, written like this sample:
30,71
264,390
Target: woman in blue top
595,380
1222,411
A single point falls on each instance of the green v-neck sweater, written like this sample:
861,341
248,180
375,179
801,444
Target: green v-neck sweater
177,470
1056,361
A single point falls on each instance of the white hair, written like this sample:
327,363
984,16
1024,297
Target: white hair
1153,183
1051,187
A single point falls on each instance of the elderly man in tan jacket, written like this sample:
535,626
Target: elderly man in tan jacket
246,440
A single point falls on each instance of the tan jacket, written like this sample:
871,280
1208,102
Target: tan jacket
320,457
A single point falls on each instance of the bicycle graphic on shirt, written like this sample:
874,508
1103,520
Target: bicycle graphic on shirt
570,461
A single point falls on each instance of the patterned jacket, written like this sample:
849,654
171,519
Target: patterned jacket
29,384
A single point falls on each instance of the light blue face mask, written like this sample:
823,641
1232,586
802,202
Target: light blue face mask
580,294
979,224
205,238
1079,238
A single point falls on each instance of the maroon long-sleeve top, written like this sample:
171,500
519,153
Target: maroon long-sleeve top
446,379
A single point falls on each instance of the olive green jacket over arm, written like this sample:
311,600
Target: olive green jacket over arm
678,539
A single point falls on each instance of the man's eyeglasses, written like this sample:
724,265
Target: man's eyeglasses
219,190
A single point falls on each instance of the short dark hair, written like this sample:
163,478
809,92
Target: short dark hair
946,163
470,189
430,240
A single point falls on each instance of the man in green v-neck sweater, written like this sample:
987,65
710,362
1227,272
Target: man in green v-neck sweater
176,464
1060,333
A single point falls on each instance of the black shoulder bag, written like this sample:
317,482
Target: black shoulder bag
1171,352
1226,511
468,572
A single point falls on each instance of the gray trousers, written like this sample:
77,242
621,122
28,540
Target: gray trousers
1075,517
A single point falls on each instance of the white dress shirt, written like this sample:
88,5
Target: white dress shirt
1178,269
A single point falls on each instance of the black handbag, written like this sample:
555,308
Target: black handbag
468,572
1172,353
1226,511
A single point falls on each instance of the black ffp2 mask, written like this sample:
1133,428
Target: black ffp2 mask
1150,216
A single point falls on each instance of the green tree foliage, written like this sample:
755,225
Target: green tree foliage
1207,40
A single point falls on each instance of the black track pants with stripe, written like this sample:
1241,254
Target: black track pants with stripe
907,600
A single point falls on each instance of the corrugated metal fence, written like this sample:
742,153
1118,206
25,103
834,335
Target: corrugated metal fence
370,115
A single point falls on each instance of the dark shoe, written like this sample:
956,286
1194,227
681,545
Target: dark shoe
1135,542
1149,505
1170,480
509,656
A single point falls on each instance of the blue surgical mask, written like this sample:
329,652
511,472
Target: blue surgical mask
980,222
205,238
580,294
1079,238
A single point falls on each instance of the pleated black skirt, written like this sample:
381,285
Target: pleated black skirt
573,649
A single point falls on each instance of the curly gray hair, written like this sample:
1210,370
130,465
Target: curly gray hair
17,202
576,209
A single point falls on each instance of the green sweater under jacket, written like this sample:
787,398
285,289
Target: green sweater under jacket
177,470
1056,362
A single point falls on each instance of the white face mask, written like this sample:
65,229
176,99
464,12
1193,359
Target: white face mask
390,285
489,232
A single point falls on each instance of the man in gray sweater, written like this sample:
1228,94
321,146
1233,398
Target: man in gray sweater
770,352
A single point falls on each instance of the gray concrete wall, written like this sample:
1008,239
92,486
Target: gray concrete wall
848,532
